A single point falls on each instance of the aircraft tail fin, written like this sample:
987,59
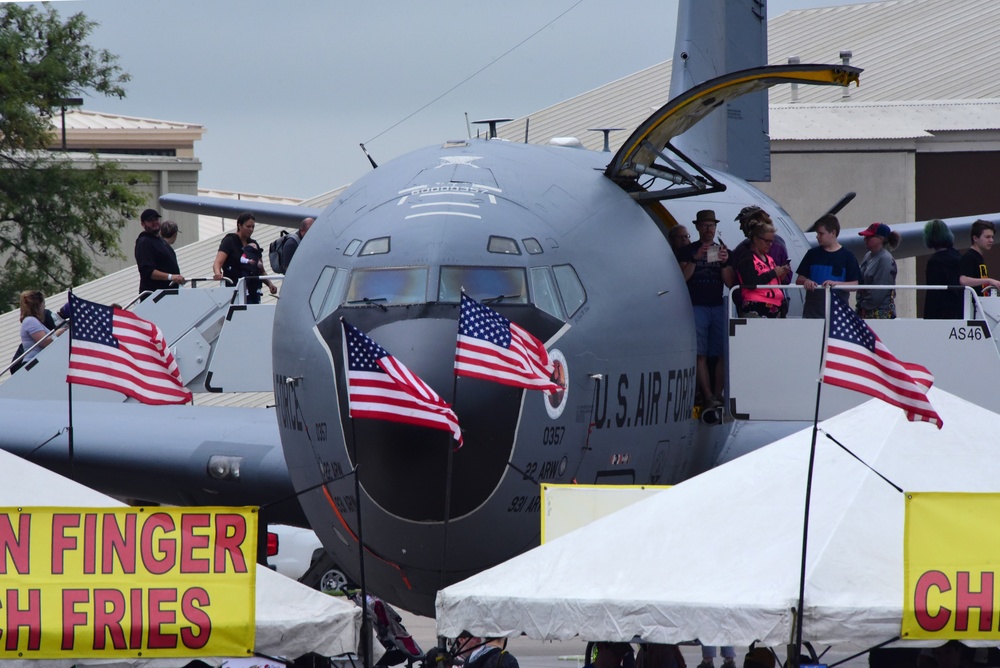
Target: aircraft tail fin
716,37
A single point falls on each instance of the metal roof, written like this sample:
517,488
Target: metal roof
921,50
624,103
82,119
910,49
882,120
210,226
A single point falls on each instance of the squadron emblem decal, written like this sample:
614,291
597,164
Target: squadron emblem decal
555,403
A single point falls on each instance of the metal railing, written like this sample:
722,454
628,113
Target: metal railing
39,344
192,283
970,296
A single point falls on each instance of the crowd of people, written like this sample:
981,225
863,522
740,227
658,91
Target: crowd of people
239,256
492,653
759,266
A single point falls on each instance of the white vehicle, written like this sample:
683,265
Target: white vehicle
298,554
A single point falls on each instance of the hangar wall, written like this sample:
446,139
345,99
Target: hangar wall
807,184
165,174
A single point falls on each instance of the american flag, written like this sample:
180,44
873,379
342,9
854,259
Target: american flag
117,350
857,360
381,387
491,347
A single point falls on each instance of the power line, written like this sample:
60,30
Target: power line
477,72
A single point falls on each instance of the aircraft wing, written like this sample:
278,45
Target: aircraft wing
284,215
642,148
911,243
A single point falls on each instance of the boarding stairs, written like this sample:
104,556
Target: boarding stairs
221,344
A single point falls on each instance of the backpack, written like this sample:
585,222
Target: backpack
274,253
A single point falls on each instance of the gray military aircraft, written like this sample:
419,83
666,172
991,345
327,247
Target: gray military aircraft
564,242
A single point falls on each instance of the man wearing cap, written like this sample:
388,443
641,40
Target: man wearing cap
974,271
155,258
706,268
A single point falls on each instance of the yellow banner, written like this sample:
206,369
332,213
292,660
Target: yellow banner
127,582
951,559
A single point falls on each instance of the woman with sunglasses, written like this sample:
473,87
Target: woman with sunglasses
756,270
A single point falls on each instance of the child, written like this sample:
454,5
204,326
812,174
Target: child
252,262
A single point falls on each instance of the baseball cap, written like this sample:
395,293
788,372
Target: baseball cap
876,230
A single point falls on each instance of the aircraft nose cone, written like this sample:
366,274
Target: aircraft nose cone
403,466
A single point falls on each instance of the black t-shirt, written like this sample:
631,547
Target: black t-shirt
705,284
944,268
974,266
232,246
821,265
152,252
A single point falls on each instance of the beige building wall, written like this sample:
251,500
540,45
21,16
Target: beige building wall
809,183
165,174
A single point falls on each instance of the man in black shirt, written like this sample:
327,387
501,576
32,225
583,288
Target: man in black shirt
706,268
974,271
155,258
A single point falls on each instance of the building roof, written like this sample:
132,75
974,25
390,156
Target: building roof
83,119
909,49
94,130
926,50
624,103
210,226
882,120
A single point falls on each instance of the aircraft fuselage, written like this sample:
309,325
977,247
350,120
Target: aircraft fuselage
579,264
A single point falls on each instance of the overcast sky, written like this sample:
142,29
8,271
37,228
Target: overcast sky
286,90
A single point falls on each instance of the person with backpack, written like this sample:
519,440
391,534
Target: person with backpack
282,250
228,261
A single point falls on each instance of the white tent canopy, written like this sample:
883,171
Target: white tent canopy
717,558
292,619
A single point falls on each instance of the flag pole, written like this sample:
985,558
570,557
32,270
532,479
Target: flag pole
794,659
447,510
366,636
69,389
447,477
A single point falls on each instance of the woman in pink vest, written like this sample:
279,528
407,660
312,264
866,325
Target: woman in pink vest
756,270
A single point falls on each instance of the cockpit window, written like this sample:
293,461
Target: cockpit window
375,246
325,296
503,245
352,247
506,285
407,285
532,246
544,293
570,287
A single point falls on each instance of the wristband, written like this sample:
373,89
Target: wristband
170,278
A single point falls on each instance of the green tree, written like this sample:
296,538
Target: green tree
54,216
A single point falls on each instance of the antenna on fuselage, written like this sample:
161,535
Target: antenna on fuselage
369,156
492,122
607,132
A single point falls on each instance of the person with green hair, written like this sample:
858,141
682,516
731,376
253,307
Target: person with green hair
943,268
